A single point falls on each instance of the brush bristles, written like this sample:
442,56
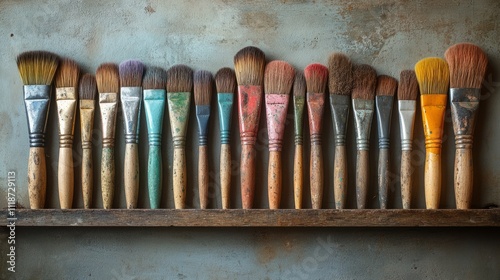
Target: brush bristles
433,75
225,80
278,77
249,64
299,85
131,72
386,86
203,85
107,78
316,76
154,78
67,74
340,70
37,67
408,85
179,79
364,83
467,64
88,87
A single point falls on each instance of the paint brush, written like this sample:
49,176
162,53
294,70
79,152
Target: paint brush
37,69
225,81
433,78
108,85
407,104
299,93
278,80
66,82
87,93
249,65
363,95
386,88
316,76
154,95
467,64
131,72
203,84
340,86
179,86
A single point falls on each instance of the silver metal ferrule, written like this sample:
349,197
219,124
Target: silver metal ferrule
406,110
384,112
66,111
464,105
37,103
108,103
339,105
131,98
363,115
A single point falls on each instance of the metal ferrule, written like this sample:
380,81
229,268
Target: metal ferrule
298,111
202,116
154,107
464,104
363,115
108,103
339,105
87,122
225,101
131,98
384,112
178,109
406,109
37,103
66,110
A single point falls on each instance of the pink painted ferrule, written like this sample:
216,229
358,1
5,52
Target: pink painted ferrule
315,108
276,107
249,104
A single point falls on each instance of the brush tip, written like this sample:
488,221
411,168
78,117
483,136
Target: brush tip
340,74
131,72
467,64
154,78
107,78
225,80
278,77
408,85
179,79
88,87
203,84
386,86
37,67
316,76
433,75
299,85
67,73
365,82
249,64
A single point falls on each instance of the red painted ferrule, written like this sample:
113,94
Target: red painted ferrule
249,104
276,107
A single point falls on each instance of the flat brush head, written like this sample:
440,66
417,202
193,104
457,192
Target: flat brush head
364,83
340,78
433,75
37,67
203,85
467,64
316,77
299,85
249,66
179,79
154,78
107,78
386,86
408,85
88,87
225,80
278,77
131,72
67,74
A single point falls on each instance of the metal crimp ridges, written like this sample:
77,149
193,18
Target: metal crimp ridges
299,140
406,144
202,140
132,139
383,143
464,141
179,141
225,136
154,139
339,140
66,141
37,140
363,144
108,143
316,139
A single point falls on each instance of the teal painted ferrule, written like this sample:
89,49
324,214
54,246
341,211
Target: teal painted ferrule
225,101
154,105
202,116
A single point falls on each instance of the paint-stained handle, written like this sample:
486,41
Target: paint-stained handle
87,178
463,178
298,177
154,176
65,177
316,172
179,178
203,178
108,176
362,178
432,179
247,170
406,179
37,177
340,177
225,175
131,175
383,177
274,179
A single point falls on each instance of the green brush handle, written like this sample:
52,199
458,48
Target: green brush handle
154,176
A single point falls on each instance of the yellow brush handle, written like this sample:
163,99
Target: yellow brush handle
87,178
65,177
37,177
463,178
131,175
274,179
298,177
225,175
432,180
406,179
316,172
203,178
340,177
179,178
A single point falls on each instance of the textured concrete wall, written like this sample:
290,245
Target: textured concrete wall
391,35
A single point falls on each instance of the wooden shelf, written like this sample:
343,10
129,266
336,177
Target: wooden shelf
254,218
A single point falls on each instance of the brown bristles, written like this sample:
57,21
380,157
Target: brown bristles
408,85
203,85
131,72
433,75
37,67
88,87
225,80
364,82
179,79
278,77
467,64
340,74
249,64
299,85
67,74
154,78
107,78
316,76
386,86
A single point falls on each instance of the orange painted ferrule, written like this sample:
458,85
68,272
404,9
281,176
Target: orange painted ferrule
433,110
249,106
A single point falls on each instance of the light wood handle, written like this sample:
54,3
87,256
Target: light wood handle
247,170
362,178
463,178
432,180
316,173
225,175
179,178
87,178
274,179
406,179
298,176
37,177
108,176
203,179
65,178
131,175
383,177
340,177
154,176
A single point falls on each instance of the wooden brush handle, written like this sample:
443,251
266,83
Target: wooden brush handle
131,175
65,177
432,180
247,169
298,177
406,179
316,173
108,176
87,178
463,178
340,177
383,177
37,177
179,178
362,178
203,179
274,179
225,175
154,176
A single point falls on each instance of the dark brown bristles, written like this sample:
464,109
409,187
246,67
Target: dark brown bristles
67,74
316,76
433,75
249,64
179,79
278,77
467,64
203,85
37,67
131,72
225,80
408,85
364,82
107,78
88,87
299,85
386,86
154,78
340,70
